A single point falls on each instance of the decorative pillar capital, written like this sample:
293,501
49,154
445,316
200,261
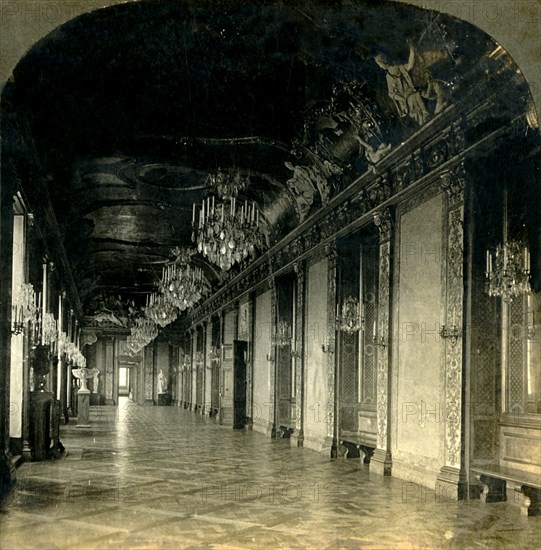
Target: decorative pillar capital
383,220
331,252
452,182
299,270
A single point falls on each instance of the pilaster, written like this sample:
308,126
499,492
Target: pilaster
381,461
330,348
451,480
297,438
109,357
271,359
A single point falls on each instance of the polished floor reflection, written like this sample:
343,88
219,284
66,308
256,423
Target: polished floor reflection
162,477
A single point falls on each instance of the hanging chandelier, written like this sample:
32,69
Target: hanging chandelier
24,308
508,267
182,285
49,331
508,271
226,232
160,310
141,334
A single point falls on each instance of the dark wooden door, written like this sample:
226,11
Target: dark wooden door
240,348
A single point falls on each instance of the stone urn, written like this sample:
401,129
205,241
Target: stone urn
83,374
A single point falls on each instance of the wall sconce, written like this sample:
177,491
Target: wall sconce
296,354
379,341
450,332
24,308
325,348
17,322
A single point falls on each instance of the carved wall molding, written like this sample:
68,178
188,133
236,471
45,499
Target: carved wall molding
383,337
454,311
88,338
330,343
300,313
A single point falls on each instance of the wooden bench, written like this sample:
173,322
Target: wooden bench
356,447
497,479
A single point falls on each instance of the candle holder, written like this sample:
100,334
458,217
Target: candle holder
17,322
379,341
325,348
451,333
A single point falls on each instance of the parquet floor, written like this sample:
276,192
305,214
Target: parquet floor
162,477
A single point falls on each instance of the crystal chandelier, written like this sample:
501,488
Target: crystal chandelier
141,334
49,330
182,285
226,232
508,268
160,310
508,271
351,319
24,308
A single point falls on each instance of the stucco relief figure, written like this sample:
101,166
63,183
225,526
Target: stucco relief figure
373,154
402,90
162,383
408,85
302,188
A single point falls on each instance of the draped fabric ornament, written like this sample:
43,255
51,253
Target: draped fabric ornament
283,334
351,319
227,232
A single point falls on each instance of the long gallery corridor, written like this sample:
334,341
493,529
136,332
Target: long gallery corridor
162,477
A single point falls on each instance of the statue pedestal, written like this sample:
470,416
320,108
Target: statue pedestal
83,408
164,399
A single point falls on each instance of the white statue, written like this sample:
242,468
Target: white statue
162,383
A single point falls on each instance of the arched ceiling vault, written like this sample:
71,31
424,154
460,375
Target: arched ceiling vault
121,113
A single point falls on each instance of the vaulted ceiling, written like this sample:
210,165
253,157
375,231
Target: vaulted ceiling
120,115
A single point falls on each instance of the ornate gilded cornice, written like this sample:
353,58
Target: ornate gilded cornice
437,150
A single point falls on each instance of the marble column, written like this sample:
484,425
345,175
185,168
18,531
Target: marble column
381,462
297,438
451,481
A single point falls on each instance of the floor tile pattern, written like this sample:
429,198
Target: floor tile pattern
162,477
